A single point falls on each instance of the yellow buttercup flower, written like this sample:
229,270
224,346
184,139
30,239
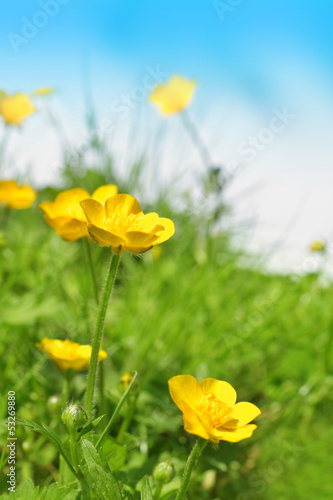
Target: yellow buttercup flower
15,108
68,355
174,96
209,409
65,214
318,246
16,197
121,224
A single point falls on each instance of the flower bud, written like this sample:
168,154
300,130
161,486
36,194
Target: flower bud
54,404
124,382
164,472
74,417
318,246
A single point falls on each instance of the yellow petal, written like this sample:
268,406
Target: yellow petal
194,424
166,230
57,222
104,238
104,192
47,207
139,239
15,109
94,212
72,230
148,221
137,250
102,355
224,391
242,413
122,204
75,194
185,391
233,436
174,95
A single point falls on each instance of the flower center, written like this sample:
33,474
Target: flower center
214,409
120,224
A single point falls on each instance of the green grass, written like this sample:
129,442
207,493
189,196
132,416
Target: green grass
195,309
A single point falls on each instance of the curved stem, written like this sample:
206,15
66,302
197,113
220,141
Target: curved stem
98,333
196,139
190,466
116,411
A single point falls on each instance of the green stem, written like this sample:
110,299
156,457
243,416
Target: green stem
127,421
196,139
91,269
96,293
158,491
98,334
190,466
67,387
74,448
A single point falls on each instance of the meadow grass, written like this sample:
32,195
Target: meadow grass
194,309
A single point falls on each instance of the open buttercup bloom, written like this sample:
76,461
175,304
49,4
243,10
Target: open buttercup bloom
15,108
209,409
16,197
68,355
174,96
65,214
122,225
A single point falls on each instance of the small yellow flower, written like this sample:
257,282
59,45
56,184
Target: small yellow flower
16,197
15,108
121,224
43,91
174,96
318,246
124,382
68,355
65,214
209,409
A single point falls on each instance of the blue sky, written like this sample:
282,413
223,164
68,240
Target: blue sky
183,37
249,59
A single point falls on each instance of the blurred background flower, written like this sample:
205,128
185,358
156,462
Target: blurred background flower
68,355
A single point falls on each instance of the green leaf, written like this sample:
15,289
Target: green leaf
114,453
90,426
146,493
98,473
44,430
25,490
56,492
168,494
28,490
51,435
